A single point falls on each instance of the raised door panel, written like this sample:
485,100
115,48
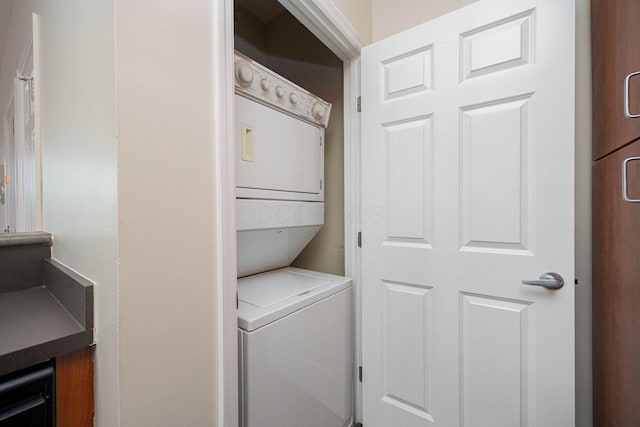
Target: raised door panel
497,348
616,290
615,35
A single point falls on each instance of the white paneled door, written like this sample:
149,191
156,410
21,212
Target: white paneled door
467,160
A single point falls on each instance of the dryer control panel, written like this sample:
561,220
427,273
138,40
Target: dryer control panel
259,83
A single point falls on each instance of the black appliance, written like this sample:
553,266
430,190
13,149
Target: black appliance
27,397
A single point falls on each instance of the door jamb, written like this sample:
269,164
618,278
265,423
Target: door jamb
226,345
327,23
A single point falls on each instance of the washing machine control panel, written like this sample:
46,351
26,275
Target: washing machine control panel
255,81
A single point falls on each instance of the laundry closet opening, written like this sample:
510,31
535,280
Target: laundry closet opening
295,307
267,33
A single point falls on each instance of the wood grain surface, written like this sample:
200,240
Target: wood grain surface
616,292
615,50
74,389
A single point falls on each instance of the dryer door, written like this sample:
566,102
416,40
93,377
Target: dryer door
277,155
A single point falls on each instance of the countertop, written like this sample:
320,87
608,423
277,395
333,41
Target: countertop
35,326
46,309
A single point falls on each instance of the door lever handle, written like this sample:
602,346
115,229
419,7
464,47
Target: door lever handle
551,281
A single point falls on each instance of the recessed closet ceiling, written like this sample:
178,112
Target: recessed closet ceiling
264,10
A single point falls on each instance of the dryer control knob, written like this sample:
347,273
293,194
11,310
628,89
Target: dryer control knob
293,98
265,84
318,111
279,91
244,73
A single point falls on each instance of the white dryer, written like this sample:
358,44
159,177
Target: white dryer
295,326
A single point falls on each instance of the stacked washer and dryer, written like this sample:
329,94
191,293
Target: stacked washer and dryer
295,326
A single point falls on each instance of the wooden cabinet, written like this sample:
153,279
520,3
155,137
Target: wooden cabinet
74,389
615,35
616,291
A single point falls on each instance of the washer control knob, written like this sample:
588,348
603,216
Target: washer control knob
265,84
244,73
279,91
318,110
293,98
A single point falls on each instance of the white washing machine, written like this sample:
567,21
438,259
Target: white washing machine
295,349
295,326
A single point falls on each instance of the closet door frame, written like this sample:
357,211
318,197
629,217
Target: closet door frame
327,23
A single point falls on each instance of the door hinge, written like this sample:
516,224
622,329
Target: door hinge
360,373
359,102
237,301
32,87
321,184
359,239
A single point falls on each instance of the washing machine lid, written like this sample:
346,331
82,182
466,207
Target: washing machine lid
266,289
266,297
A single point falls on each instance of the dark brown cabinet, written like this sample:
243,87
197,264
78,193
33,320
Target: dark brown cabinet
616,290
615,35
27,397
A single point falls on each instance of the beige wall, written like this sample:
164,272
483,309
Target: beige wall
166,213
78,125
359,13
390,17
79,165
155,353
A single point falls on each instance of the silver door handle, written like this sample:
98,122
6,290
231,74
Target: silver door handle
625,195
627,112
547,280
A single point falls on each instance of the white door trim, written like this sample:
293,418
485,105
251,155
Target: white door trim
352,218
327,23
225,221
